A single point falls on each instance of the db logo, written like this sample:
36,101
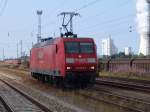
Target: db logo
40,55
79,56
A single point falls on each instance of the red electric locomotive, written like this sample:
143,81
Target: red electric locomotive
65,60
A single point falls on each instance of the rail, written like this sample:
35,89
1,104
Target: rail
30,98
124,84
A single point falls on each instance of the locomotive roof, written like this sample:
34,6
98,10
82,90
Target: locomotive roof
76,39
44,43
51,41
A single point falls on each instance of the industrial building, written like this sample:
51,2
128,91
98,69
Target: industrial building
108,47
143,19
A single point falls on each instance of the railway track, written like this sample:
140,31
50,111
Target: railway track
137,86
15,100
105,93
127,103
3,106
126,79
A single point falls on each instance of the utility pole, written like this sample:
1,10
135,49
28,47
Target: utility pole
148,1
54,34
60,29
17,50
3,54
21,48
39,13
32,44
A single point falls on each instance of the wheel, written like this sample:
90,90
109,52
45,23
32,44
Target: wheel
32,74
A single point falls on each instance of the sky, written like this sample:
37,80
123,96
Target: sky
99,19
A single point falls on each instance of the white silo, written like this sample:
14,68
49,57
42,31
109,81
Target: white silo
127,51
143,18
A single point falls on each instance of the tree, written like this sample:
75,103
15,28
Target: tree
141,55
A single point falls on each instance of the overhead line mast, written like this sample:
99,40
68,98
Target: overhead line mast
39,13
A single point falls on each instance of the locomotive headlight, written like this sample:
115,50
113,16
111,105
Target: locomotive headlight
69,60
91,60
68,68
92,67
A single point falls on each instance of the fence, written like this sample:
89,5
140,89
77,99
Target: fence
124,65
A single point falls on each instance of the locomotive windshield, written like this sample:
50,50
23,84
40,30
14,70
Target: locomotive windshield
72,47
79,47
86,47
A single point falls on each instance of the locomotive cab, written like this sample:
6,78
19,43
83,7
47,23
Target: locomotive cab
69,61
80,60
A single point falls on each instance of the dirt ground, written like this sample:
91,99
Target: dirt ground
70,97
22,76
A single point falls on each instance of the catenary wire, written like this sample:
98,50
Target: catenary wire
3,8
